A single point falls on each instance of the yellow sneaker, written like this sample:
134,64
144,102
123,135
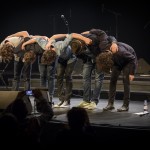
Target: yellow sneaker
83,104
91,106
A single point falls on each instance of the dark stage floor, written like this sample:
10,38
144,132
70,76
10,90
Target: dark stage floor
118,119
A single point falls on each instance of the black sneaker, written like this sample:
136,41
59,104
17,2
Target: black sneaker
123,108
108,107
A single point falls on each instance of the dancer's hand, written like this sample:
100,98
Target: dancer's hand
114,48
131,77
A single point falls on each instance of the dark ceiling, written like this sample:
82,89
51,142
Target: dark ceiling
130,23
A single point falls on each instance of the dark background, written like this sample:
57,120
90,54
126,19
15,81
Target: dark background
129,23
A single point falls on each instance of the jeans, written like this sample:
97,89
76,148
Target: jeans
21,68
113,82
88,67
47,74
65,70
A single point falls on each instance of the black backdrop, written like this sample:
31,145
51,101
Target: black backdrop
129,22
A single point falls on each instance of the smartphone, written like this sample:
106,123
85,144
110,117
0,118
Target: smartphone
29,93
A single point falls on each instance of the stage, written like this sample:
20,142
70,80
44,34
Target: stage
97,116
112,127
110,118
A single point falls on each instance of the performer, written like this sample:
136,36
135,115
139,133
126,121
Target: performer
47,69
9,52
65,67
124,60
53,49
100,40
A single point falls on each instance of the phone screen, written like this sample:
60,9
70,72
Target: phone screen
29,92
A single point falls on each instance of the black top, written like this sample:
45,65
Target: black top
100,42
125,55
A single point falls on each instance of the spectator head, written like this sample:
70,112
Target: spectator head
18,108
78,118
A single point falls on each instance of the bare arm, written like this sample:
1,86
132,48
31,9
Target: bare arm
39,36
80,37
57,36
21,33
74,35
54,37
86,32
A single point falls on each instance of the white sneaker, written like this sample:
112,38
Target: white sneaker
58,105
65,104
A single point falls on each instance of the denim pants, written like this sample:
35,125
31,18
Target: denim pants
22,69
47,76
88,96
113,82
64,71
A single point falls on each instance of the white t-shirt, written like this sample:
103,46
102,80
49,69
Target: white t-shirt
14,40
